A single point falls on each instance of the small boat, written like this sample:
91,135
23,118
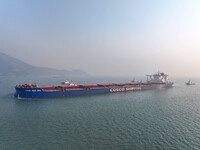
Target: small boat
190,83
67,83
135,81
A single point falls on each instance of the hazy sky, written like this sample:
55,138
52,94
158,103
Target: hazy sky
104,37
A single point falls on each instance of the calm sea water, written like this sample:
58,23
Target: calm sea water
150,120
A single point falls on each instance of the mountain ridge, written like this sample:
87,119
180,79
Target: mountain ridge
10,66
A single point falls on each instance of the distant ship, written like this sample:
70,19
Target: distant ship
158,80
190,83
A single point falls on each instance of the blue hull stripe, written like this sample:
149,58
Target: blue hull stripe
38,93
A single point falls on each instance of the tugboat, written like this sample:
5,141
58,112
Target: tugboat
190,83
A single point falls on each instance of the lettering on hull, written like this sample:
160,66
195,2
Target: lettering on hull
124,89
133,88
117,90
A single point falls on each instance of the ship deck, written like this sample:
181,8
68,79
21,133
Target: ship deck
96,86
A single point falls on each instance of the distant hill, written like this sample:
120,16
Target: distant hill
10,66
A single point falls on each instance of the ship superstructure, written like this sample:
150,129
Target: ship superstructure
158,78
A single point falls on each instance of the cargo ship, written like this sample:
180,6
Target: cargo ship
158,80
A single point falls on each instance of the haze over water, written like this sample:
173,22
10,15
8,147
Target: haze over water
152,119
104,38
